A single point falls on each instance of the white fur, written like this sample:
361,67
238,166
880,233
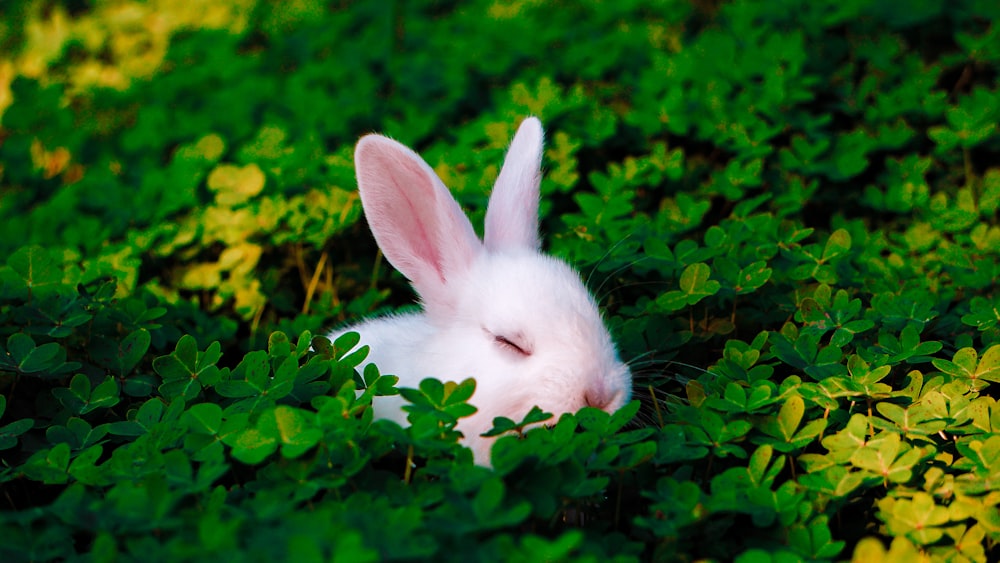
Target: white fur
474,292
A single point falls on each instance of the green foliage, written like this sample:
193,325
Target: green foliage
788,210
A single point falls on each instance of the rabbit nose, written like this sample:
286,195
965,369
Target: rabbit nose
598,398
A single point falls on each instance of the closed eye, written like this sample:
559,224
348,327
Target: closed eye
511,344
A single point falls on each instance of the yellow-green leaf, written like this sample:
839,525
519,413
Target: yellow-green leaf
234,185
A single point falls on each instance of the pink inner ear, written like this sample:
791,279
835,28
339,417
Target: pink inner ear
417,223
405,200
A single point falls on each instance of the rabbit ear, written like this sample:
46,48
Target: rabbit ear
512,214
417,223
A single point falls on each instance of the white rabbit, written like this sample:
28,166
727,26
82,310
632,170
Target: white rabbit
520,322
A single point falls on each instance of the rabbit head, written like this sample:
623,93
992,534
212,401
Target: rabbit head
520,322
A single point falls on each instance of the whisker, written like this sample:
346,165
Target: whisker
611,275
640,368
690,366
656,404
643,356
652,411
659,382
645,388
605,256
632,285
